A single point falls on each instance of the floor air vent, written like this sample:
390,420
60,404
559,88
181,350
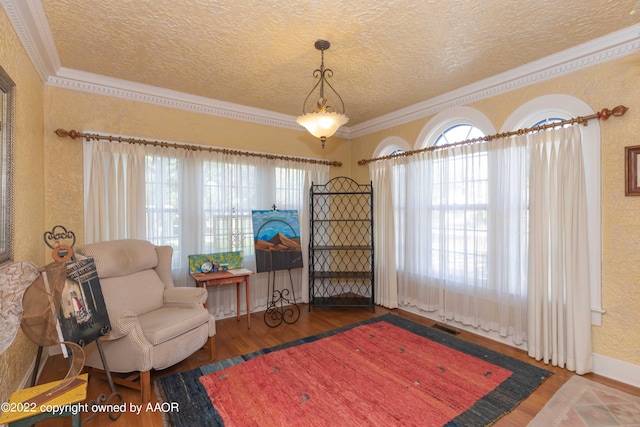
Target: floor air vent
445,328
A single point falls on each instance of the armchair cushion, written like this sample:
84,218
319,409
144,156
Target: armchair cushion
139,292
167,323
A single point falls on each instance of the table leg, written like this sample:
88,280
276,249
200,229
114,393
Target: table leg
238,300
247,288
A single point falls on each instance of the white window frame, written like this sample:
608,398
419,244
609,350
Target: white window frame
460,115
389,145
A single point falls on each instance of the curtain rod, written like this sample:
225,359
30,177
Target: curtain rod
602,115
73,134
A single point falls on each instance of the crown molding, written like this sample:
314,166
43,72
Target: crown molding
30,23
607,48
94,83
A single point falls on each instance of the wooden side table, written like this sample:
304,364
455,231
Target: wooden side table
25,407
229,277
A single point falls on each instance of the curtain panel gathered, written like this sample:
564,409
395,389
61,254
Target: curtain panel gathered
559,321
386,288
494,236
197,202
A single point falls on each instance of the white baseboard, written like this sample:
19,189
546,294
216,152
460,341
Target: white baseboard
616,369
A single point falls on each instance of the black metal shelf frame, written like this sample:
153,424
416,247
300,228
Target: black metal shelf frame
341,244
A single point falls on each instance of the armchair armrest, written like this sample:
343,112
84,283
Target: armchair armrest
122,324
185,296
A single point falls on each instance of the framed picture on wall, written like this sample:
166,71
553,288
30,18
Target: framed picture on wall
632,171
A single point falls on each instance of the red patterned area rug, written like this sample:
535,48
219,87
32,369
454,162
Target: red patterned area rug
584,403
387,371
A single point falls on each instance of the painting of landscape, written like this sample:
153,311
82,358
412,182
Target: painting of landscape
277,240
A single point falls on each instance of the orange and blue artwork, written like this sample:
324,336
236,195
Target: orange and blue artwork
277,240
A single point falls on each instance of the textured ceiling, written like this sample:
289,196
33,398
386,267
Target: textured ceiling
385,54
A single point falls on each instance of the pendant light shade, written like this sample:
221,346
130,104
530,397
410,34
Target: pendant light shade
324,120
322,124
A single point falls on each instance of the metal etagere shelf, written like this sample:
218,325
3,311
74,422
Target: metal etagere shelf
341,244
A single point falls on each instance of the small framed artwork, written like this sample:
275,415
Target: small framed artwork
632,170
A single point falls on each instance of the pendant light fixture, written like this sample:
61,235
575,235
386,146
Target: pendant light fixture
324,120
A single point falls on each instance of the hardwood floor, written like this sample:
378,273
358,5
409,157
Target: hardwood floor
234,339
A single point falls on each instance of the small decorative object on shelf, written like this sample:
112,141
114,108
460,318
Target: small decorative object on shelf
341,244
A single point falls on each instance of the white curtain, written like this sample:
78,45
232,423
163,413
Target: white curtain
495,236
463,235
386,285
482,227
115,205
417,286
507,236
197,202
559,320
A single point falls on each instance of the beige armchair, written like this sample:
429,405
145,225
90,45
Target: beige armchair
154,324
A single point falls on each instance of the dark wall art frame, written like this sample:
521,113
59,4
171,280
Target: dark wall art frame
632,170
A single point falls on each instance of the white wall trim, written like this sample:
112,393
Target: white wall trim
389,145
29,21
616,369
31,25
94,83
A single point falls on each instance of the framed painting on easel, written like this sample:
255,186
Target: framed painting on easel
277,240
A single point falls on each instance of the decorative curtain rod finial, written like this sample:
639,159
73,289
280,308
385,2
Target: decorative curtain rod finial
73,134
617,111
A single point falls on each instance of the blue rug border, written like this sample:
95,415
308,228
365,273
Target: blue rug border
526,377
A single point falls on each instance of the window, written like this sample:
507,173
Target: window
459,203
163,210
457,242
203,203
458,133
547,121
227,191
7,91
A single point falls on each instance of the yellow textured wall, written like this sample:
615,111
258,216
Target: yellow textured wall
69,109
29,186
601,86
